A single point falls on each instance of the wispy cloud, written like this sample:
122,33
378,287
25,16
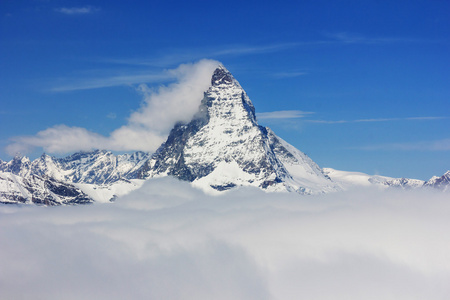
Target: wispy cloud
173,57
282,114
111,115
84,10
437,145
154,70
375,120
281,75
102,82
352,38
240,49
177,56
146,128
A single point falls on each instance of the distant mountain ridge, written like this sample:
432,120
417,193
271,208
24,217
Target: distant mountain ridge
222,147
356,179
98,168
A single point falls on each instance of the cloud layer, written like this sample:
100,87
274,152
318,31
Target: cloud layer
146,129
170,241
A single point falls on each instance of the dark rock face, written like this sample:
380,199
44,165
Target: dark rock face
221,76
169,158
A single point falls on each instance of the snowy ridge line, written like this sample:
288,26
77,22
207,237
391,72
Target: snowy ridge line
357,179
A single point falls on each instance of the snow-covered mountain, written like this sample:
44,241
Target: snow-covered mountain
220,148
356,179
44,190
100,174
442,183
223,147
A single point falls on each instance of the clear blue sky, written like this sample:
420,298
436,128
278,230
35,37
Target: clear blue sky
373,75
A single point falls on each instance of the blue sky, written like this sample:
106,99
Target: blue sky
363,85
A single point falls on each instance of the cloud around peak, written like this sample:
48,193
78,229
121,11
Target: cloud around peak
146,128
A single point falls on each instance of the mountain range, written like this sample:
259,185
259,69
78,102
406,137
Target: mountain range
222,147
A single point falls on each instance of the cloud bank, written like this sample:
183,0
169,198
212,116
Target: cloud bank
146,129
170,241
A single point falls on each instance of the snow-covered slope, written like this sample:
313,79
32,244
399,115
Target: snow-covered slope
223,147
356,179
96,167
101,175
442,183
39,190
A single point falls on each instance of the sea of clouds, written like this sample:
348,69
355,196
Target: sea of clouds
168,240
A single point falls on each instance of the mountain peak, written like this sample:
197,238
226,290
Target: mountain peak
222,76
224,147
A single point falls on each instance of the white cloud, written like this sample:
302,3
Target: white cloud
57,139
375,120
170,241
109,81
437,145
175,56
352,38
282,114
146,129
77,10
282,75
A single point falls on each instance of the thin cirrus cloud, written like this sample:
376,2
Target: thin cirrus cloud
168,240
84,10
177,56
375,120
437,145
282,114
352,38
282,75
146,128
295,114
110,81
101,80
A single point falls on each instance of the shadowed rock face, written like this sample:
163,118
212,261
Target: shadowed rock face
221,76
